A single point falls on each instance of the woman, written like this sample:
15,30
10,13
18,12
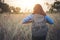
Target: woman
41,33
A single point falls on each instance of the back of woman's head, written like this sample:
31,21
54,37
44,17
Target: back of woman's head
38,10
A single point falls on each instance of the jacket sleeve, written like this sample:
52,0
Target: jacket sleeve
26,19
49,20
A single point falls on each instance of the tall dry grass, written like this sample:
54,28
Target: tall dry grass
11,27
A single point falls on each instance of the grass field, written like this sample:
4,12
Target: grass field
12,28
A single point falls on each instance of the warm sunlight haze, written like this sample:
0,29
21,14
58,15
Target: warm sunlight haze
27,4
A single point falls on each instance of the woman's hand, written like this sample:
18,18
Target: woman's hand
28,22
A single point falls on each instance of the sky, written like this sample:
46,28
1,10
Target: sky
28,4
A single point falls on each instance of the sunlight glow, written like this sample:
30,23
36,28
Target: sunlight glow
26,4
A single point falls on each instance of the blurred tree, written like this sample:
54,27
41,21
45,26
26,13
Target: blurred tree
17,9
12,8
54,7
4,7
2,1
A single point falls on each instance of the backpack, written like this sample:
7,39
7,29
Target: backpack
39,27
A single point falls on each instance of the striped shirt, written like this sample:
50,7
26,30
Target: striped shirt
29,17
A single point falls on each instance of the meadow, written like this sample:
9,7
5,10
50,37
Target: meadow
11,27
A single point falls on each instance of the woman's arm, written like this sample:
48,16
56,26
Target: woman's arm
49,20
27,22
27,19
